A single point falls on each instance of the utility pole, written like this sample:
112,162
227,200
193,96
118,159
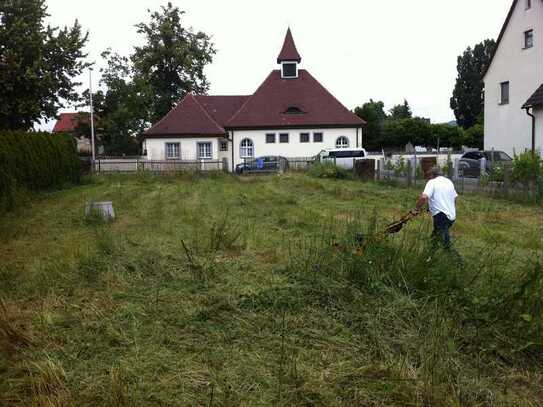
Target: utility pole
92,119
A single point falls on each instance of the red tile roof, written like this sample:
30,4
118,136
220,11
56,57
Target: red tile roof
188,118
221,108
267,107
68,122
289,51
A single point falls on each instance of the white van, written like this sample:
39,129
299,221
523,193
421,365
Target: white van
342,157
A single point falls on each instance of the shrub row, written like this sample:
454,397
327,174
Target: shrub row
35,161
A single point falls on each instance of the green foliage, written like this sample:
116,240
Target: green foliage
172,60
35,161
400,112
145,86
527,168
374,114
38,64
328,170
467,100
475,136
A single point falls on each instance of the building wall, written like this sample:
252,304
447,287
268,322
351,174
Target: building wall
539,129
293,148
156,148
508,127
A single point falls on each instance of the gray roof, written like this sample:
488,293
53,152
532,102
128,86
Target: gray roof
536,99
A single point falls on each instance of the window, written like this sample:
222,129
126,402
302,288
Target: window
204,151
283,138
342,142
529,39
504,98
247,149
294,110
304,137
173,151
223,145
270,138
528,4
290,70
317,137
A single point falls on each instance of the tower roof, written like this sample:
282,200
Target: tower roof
289,51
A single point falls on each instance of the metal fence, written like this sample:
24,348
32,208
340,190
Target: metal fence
108,165
413,175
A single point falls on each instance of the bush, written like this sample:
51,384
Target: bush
35,161
328,170
527,168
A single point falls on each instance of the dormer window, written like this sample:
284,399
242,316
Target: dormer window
294,110
289,70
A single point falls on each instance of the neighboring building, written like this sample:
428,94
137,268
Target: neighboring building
291,115
68,123
513,81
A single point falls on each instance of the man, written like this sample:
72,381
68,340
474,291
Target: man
441,198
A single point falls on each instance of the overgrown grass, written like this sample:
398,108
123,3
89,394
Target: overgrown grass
226,291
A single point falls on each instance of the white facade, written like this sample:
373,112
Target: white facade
507,126
294,148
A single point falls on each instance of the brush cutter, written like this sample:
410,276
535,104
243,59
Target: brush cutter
393,228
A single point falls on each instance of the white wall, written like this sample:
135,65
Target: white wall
156,148
293,148
539,129
507,127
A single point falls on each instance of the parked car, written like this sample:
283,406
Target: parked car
263,164
342,157
470,162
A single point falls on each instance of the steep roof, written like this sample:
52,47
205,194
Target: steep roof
536,99
317,107
289,51
68,122
502,33
221,108
188,118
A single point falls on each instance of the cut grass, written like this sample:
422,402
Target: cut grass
226,292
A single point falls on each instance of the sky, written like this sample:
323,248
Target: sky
387,50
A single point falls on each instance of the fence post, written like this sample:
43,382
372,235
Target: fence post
409,173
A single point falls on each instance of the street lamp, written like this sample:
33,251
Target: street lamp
91,119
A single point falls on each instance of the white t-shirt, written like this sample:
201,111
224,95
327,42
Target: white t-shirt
441,197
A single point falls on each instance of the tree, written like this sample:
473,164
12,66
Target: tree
467,100
173,59
374,115
38,64
400,112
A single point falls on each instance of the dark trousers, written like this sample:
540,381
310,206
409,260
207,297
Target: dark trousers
441,234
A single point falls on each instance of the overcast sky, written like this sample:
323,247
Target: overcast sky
387,50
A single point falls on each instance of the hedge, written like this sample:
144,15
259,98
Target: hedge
33,162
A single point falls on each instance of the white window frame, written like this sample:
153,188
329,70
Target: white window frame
274,138
342,142
248,150
283,76
208,153
288,138
166,151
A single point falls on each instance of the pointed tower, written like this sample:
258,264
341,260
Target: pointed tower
289,58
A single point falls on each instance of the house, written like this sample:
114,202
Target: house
514,82
69,123
291,115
